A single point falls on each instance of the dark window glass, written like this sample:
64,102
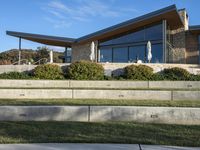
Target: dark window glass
106,55
157,53
130,38
147,34
137,53
120,54
153,32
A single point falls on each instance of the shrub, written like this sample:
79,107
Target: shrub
158,77
176,74
85,70
140,72
194,77
15,75
48,71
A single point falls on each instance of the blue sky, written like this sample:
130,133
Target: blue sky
75,18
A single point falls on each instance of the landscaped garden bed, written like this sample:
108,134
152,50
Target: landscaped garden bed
85,70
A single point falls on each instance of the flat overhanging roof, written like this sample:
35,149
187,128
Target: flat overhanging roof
169,13
195,29
44,39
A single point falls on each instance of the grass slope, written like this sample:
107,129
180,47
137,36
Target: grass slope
115,132
100,102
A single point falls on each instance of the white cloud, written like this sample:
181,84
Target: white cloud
57,23
63,15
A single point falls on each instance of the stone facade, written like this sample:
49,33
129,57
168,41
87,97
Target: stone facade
192,50
178,52
82,51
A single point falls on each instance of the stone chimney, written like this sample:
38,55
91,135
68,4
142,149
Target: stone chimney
184,16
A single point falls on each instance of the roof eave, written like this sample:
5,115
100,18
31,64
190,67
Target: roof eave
44,39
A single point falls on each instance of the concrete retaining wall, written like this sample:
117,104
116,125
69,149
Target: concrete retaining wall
98,94
166,115
35,93
34,83
43,113
100,84
16,68
186,95
117,68
122,94
110,68
174,84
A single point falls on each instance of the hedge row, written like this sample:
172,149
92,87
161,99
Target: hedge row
85,70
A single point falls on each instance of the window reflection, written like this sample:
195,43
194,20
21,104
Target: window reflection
106,55
153,32
137,53
132,47
120,54
157,53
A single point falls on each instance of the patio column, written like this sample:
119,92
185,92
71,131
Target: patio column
19,55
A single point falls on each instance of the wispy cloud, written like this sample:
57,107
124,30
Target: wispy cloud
63,15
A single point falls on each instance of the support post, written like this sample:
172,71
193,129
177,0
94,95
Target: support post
165,41
65,54
19,55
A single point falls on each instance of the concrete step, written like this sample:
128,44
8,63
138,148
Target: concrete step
100,84
98,94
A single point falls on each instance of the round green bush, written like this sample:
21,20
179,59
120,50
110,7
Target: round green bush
85,70
157,77
194,77
15,75
48,71
176,74
138,72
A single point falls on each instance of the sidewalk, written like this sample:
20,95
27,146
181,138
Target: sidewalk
55,146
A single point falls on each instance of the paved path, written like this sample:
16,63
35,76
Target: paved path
88,147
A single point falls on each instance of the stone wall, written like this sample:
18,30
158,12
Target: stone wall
117,68
192,49
82,51
178,53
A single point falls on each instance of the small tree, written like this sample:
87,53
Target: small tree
42,52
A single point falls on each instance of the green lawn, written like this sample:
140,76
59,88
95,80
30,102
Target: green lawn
115,132
185,103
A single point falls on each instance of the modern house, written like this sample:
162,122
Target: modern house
168,30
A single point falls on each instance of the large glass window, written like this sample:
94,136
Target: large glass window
132,46
137,53
120,54
130,38
153,32
106,55
157,53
